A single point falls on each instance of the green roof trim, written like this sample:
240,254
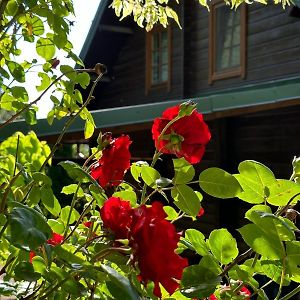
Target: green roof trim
250,95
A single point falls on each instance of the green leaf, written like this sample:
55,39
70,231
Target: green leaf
272,225
20,93
39,264
37,25
64,214
135,169
198,281
262,208
69,284
99,196
184,171
66,253
16,70
293,260
34,196
45,82
41,178
28,228
50,201
172,14
11,8
30,117
122,282
45,48
56,226
71,189
50,117
25,271
127,195
89,128
69,72
223,246
171,212
83,79
76,172
273,270
282,191
255,179
186,199
149,175
218,183
197,240
267,245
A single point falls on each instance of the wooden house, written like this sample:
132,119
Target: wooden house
241,68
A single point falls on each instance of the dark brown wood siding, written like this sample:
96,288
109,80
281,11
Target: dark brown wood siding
127,79
273,40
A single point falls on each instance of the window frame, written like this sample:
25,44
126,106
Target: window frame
149,86
239,71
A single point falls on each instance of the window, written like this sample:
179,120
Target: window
227,30
158,59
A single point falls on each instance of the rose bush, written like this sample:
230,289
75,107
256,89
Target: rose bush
123,242
115,240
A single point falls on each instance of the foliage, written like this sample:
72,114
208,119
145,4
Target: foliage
147,13
115,240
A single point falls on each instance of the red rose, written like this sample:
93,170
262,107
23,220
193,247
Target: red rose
88,224
201,212
186,138
152,238
117,216
31,256
155,240
243,291
114,162
56,239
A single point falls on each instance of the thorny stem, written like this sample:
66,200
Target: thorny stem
71,120
291,294
8,262
71,209
281,279
78,221
262,287
284,209
154,160
34,292
16,157
101,254
236,261
5,195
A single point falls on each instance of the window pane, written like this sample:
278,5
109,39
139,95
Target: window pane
235,56
155,58
164,54
155,41
155,75
164,73
227,34
159,57
164,39
236,35
225,59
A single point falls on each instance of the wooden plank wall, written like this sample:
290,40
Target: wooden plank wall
127,86
273,41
